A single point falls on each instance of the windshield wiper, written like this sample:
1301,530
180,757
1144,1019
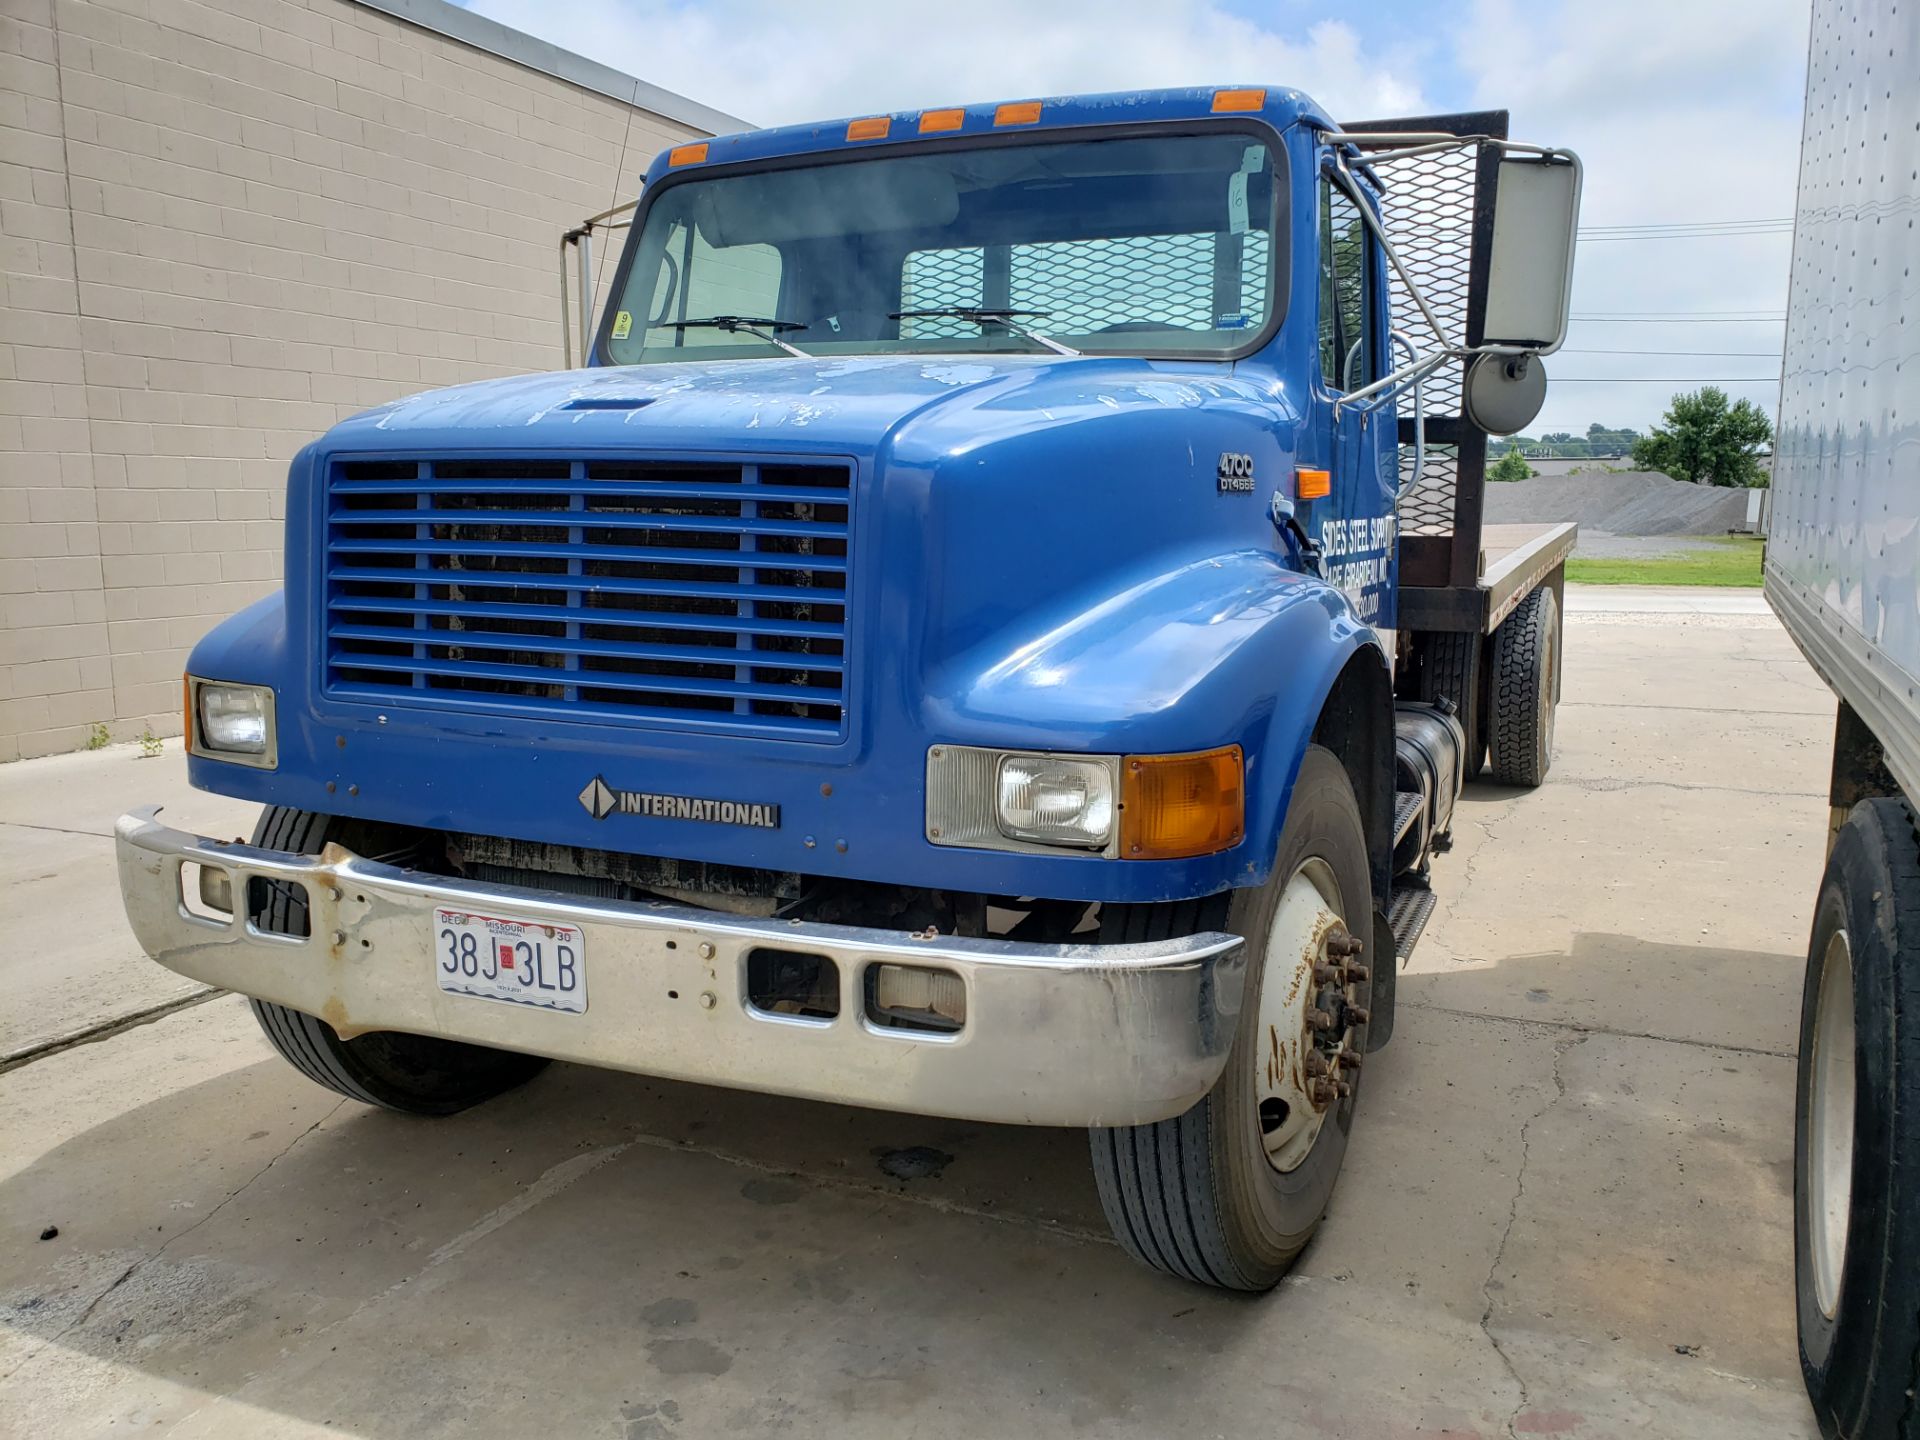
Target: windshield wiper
1005,319
757,326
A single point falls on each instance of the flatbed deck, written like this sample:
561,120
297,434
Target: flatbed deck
1513,560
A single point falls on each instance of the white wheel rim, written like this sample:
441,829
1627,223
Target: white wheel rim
1830,1096
1289,1116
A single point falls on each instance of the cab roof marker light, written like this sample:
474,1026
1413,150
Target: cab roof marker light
1234,101
687,154
1019,112
873,128
934,121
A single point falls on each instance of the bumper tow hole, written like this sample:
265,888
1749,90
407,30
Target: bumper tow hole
794,983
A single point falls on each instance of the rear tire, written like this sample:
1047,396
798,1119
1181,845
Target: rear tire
1449,671
1521,690
414,1074
1197,1196
1856,1193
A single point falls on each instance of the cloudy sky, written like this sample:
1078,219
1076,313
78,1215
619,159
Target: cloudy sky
1684,111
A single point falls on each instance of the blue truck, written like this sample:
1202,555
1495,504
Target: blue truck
995,627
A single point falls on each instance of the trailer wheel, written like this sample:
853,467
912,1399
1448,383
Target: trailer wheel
1522,689
415,1074
1230,1192
1856,1195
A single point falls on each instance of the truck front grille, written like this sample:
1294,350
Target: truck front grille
689,592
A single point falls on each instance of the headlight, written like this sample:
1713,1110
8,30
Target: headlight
1055,801
1131,807
231,722
1022,800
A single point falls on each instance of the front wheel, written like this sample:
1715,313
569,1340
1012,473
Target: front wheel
1856,1197
1230,1192
415,1074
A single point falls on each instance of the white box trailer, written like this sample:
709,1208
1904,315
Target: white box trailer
1843,562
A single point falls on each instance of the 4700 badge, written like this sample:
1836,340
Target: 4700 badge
522,962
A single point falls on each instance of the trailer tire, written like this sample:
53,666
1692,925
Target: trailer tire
414,1074
1521,690
1856,1192
1197,1196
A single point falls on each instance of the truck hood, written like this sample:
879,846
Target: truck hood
845,405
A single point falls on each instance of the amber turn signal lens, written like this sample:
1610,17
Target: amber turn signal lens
1312,484
874,129
1020,112
1225,100
1177,805
687,154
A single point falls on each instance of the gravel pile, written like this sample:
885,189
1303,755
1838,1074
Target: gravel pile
1631,503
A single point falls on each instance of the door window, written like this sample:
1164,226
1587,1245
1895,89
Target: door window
1344,361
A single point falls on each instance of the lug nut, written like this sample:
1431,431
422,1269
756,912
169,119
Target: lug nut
1349,1059
1323,1092
1342,1088
1319,1019
1358,973
1325,974
1316,1063
1358,1015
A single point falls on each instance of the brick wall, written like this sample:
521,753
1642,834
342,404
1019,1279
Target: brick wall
224,225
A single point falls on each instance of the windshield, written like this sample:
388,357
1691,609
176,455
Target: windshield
1159,244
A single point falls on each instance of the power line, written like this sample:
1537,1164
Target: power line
1679,319
1676,314
1686,235
1664,380
1714,354
1692,224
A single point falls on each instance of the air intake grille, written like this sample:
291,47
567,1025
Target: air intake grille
688,592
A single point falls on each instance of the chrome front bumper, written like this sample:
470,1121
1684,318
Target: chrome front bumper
1054,1034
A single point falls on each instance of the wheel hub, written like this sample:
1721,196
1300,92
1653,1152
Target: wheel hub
1309,1015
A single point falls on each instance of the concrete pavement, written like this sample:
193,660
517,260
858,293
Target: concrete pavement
1566,1210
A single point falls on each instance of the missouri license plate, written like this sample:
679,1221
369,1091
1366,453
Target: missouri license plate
521,962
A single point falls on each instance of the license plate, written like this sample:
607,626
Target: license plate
522,962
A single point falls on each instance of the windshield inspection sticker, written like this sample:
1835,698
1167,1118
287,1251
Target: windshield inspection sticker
622,324
1252,159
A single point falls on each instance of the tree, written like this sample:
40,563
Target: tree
1704,439
1511,466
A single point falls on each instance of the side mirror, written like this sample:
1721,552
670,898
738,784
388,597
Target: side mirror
1536,214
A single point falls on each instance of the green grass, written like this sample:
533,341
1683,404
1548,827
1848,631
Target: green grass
1733,560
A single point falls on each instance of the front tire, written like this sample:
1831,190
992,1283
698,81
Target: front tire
413,1074
1856,1194
1229,1193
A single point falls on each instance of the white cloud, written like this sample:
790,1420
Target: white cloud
778,64
1680,110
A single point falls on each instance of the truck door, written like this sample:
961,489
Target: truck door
1356,519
